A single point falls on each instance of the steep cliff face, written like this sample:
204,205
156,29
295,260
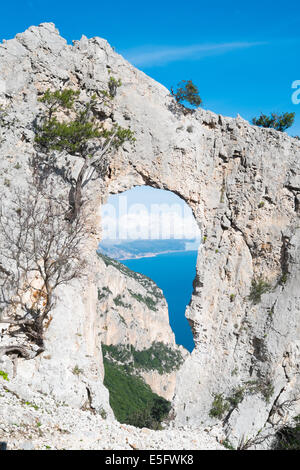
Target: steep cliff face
131,307
243,185
133,315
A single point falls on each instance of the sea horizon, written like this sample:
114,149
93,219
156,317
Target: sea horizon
154,255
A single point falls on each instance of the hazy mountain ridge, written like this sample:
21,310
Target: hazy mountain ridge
145,248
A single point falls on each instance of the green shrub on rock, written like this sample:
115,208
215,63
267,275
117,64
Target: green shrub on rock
219,407
4,375
258,288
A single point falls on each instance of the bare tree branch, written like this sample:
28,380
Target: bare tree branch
39,251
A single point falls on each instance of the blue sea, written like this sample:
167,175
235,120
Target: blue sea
174,274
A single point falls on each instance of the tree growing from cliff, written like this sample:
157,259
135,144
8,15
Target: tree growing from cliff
258,288
187,92
79,129
280,122
41,252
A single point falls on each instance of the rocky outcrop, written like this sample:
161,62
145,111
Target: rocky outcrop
69,371
242,183
45,424
161,384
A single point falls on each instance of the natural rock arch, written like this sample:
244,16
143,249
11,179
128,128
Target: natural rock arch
242,184
223,344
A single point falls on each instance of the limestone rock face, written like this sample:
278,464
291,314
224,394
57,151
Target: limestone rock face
69,371
162,384
131,308
242,183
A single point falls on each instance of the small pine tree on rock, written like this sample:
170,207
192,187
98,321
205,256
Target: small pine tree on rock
72,125
279,122
187,92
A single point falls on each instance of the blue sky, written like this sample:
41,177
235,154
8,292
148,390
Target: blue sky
147,213
243,56
141,195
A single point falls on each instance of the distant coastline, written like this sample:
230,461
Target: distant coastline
127,250
152,255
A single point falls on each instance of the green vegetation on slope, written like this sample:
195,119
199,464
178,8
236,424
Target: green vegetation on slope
120,303
103,292
145,281
145,300
132,400
159,357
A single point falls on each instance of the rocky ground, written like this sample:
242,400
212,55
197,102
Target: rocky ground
46,424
